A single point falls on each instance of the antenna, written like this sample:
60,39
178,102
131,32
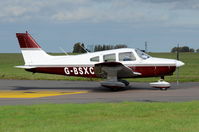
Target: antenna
90,47
63,50
146,46
178,52
84,48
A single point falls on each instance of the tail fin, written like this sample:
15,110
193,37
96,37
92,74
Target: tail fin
32,52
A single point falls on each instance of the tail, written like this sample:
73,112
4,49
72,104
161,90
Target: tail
31,51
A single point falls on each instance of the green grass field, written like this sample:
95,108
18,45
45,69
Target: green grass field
101,117
116,117
188,73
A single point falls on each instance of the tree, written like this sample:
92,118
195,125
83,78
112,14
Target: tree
98,48
174,49
120,46
109,47
185,49
197,50
182,49
78,48
83,49
191,50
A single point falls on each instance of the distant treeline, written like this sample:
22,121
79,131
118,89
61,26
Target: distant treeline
108,47
183,49
80,47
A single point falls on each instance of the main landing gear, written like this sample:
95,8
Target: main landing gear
115,85
126,83
161,84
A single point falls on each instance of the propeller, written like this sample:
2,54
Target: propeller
177,56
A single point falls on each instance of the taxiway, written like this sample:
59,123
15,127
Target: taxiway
21,92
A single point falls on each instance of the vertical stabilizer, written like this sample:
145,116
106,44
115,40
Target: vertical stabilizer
32,52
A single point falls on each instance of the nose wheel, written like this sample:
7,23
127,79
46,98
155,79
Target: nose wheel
163,89
161,84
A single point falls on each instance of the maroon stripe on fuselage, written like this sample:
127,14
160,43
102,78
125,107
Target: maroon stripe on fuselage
146,71
67,71
153,71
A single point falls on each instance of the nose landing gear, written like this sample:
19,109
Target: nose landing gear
161,84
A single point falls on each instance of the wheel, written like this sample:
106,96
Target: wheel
164,89
125,82
115,89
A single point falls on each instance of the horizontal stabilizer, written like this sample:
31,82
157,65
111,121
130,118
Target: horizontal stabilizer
25,67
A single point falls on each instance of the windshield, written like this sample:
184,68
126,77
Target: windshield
142,54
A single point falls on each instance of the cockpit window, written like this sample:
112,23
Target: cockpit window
126,56
95,59
109,58
142,54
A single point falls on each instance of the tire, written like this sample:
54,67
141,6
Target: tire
125,82
163,89
115,89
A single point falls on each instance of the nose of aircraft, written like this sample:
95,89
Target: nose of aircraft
179,63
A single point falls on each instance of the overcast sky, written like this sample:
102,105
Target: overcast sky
61,23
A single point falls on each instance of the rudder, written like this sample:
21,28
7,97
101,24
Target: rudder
26,41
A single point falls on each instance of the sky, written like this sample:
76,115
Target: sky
56,24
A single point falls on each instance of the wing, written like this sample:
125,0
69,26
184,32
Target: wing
114,70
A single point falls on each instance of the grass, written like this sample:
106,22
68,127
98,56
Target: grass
98,117
7,70
117,117
188,73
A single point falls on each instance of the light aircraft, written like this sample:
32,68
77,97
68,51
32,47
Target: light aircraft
113,65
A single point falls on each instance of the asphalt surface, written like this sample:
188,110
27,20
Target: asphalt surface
93,92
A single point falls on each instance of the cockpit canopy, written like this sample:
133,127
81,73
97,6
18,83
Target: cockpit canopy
123,55
142,54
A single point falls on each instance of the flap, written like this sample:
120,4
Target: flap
114,68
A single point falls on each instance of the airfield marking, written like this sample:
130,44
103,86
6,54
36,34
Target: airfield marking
34,94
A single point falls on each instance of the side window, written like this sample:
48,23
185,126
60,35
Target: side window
109,58
95,59
126,56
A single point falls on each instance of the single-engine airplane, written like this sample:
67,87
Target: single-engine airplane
113,65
